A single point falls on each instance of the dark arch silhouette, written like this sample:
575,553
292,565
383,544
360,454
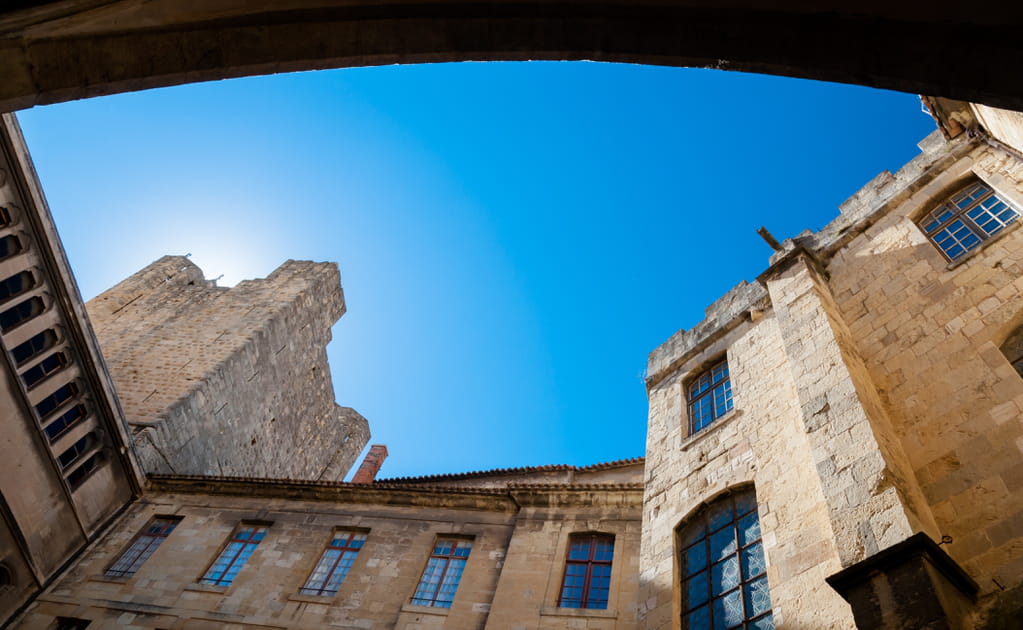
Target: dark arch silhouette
53,51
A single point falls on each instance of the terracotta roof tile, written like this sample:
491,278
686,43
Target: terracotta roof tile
495,472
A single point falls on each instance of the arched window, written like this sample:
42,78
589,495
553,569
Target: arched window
723,569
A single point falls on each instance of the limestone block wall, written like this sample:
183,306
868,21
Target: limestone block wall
762,442
230,381
871,398
928,332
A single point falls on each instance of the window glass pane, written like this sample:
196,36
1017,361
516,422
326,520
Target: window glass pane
745,502
758,598
764,623
694,533
720,514
579,551
698,619
604,551
695,558
697,590
728,611
724,576
753,563
749,529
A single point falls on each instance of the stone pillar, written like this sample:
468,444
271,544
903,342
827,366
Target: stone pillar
873,498
894,575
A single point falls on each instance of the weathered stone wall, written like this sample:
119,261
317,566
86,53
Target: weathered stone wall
511,580
928,332
872,401
230,381
763,441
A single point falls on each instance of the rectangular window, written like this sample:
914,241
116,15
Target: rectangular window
334,564
42,370
442,573
34,346
587,580
9,246
243,542
16,285
967,219
82,472
65,421
709,396
20,313
142,547
76,450
47,405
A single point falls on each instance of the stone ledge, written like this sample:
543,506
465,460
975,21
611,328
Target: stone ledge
694,438
557,611
425,610
325,600
206,588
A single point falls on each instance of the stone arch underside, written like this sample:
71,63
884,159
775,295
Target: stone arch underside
70,49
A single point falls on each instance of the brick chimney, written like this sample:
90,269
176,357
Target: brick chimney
371,465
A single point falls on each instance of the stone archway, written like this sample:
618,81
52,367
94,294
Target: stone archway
60,50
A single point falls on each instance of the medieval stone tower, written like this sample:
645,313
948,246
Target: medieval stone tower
230,381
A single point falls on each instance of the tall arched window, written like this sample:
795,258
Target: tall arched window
723,570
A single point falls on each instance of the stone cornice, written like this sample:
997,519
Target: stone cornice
415,495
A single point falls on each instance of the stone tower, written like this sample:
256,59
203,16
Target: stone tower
230,381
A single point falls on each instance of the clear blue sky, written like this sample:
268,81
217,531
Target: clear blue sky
514,238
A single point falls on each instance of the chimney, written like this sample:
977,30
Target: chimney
371,465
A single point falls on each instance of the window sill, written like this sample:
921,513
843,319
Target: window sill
206,588
111,580
425,610
554,611
714,426
312,599
984,245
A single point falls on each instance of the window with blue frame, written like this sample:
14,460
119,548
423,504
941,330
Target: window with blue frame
443,572
236,553
709,396
966,220
587,579
333,566
723,567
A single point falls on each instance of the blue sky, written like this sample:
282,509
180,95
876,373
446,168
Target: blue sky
514,238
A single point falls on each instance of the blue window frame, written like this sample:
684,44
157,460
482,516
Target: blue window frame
243,542
443,572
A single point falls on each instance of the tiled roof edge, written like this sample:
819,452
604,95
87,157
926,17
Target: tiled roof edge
519,470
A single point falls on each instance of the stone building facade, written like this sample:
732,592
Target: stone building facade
871,407
837,445
518,524
230,381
